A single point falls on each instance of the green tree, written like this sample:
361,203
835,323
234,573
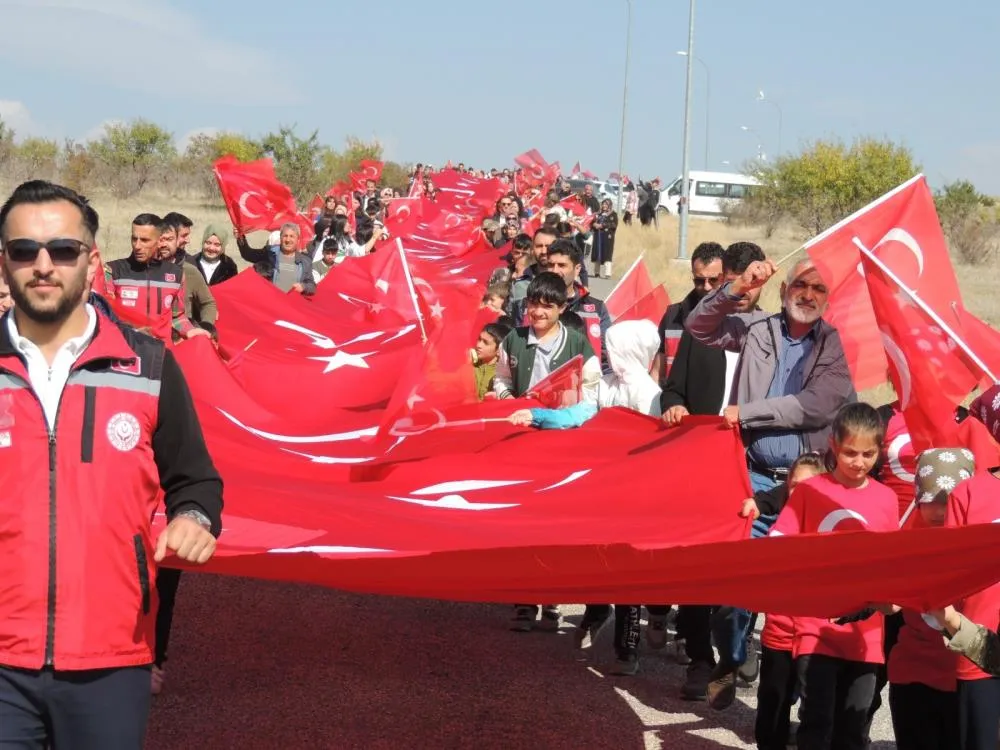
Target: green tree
829,181
6,143
969,220
78,166
132,153
36,158
337,165
297,161
205,148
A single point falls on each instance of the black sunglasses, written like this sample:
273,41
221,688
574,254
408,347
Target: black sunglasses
62,250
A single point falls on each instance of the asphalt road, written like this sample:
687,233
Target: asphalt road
258,665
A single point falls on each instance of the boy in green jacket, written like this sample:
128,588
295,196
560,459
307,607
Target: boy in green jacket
530,353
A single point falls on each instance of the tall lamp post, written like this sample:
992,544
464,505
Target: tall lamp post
683,205
708,100
761,156
762,98
621,145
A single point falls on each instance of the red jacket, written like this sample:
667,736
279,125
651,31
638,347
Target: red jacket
149,290
75,548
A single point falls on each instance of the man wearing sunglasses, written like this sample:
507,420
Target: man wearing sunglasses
146,284
96,421
706,273
699,382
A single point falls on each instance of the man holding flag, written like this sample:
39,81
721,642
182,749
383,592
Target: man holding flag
791,379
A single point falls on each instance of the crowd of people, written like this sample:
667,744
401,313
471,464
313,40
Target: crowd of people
780,378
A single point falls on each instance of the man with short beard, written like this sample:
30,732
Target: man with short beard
199,302
100,420
791,380
146,284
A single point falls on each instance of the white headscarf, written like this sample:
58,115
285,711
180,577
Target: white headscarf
631,346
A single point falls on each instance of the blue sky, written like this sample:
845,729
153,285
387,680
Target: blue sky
482,81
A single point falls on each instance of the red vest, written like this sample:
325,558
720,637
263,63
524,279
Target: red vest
75,550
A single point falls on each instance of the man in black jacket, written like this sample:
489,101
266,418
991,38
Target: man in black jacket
706,272
699,383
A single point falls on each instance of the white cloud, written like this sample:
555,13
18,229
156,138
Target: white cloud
17,117
121,43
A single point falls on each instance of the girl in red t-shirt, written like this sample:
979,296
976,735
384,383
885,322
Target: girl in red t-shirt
778,680
837,664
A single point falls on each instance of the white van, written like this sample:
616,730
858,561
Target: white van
710,191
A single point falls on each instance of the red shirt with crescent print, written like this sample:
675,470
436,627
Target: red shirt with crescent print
977,500
822,505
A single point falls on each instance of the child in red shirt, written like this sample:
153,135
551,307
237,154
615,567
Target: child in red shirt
921,668
977,500
778,679
837,664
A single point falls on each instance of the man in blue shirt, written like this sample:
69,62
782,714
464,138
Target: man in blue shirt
791,380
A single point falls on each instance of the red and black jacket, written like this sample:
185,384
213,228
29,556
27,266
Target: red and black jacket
149,289
75,541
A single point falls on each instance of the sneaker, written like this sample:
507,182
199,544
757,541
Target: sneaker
656,631
524,619
627,667
549,621
721,688
586,632
695,687
157,680
680,652
750,669
672,619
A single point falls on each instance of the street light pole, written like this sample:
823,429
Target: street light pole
762,98
708,102
683,205
621,146
760,148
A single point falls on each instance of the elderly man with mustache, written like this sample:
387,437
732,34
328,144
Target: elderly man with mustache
791,379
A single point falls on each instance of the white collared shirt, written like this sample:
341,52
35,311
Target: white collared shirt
732,359
48,381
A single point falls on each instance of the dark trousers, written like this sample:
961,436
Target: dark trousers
835,697
731,626
99,709
924,718
626,625
978,713
775,694
167,581
890,636
694,625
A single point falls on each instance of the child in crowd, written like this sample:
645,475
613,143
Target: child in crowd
922,670
530,353
837,663
484,356
631,346
496,298
977,500
778,679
